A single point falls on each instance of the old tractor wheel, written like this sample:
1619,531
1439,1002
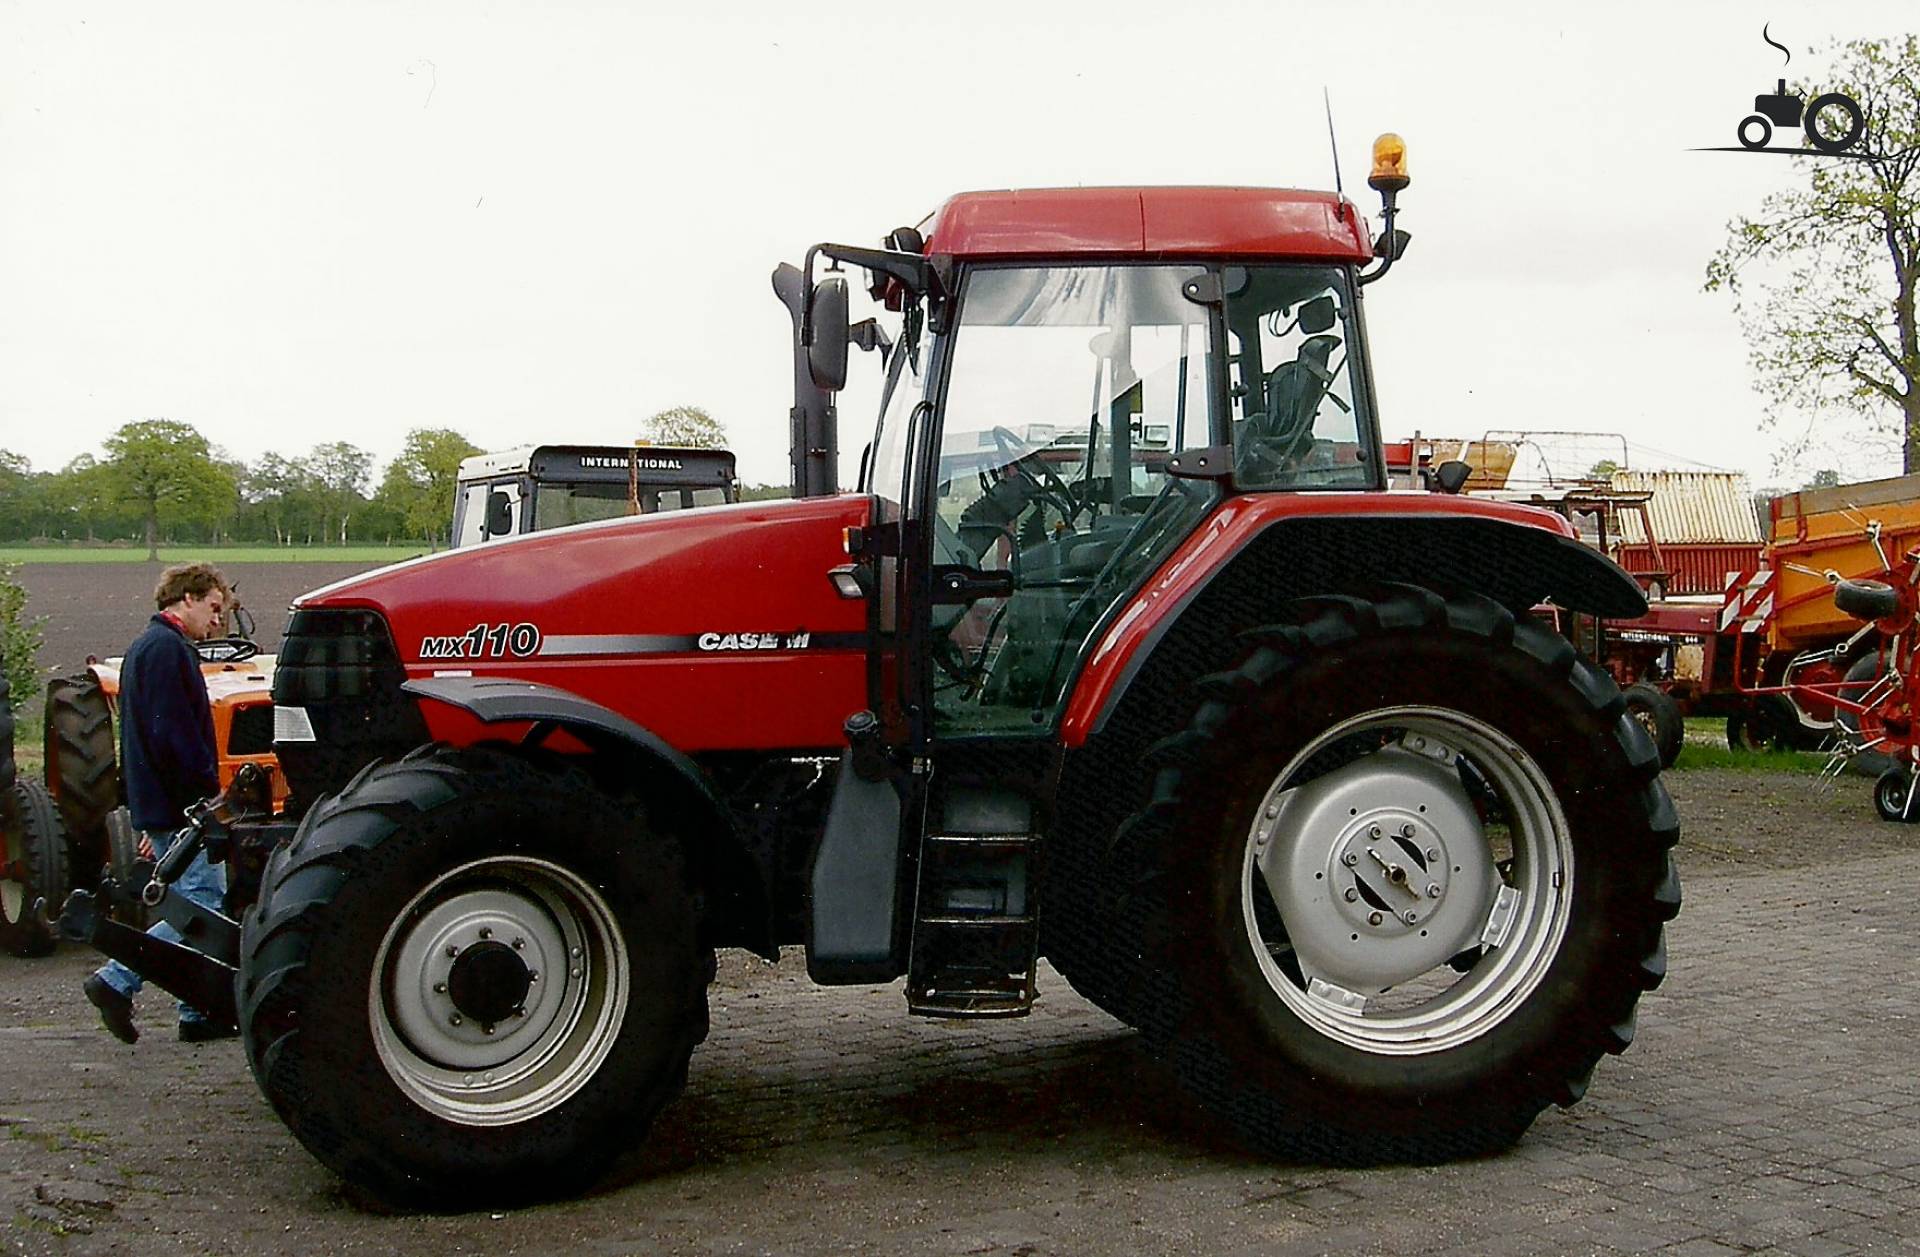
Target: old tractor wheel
82,772
1407,873
1660,716
471,979
6,737
33,865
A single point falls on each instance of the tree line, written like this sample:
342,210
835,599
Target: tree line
160,481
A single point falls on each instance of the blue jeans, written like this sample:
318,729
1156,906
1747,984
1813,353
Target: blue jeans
202,883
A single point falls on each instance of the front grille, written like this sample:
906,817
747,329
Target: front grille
341,668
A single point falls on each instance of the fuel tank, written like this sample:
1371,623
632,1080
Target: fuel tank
717,628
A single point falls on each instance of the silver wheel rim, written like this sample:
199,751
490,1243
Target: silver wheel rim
13,892
1369,923
480,1072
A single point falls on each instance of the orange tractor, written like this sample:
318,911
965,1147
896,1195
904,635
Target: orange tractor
83,777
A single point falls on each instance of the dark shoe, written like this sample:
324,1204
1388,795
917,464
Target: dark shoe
116,1010
205,1031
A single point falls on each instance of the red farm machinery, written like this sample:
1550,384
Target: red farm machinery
1120,654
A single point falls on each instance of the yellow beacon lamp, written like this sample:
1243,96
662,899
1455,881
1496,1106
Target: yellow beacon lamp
1388,177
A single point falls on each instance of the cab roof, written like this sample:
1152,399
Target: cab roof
1150,222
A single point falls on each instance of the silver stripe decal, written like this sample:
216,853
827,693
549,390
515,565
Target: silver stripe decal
613,644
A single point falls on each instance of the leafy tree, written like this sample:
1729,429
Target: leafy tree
272,490
161,464
340,471
419,484
1831,322
685,425
19,640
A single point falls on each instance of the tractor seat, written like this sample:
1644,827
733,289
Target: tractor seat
1294,393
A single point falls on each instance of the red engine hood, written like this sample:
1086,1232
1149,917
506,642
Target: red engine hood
716,628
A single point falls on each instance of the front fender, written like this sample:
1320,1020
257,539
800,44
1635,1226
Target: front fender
675,786
1251,557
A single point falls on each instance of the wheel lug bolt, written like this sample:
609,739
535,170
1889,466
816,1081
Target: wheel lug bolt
520,1011
452,950
1406,830
487,1029
485,932
1410,916
1374,831
575,953
1352,894
455,1019
1433,890
519,944
533,975
1373,918
1349,859
1433,853
439,988
573,973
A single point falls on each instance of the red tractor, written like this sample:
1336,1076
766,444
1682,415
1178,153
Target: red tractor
1269,762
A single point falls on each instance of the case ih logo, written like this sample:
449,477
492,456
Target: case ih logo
484,641
754,641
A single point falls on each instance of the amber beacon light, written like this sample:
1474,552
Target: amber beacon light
1389,164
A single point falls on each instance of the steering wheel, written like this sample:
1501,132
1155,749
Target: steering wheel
1044,487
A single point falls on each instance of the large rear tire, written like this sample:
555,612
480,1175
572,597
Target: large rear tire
470,979
33,865
82,770
1403,881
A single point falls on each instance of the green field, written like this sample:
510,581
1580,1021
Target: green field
210,554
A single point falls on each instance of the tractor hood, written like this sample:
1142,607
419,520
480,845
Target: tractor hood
682,621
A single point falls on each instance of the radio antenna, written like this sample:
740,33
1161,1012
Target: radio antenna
1333,142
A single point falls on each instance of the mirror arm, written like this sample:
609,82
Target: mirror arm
1387,197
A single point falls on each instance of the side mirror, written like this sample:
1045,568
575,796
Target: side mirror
242,625
1452,475
1392,247
1318,316
499,515
827,334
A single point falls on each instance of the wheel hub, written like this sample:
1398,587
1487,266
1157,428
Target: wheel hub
1380,869
488,982
480,975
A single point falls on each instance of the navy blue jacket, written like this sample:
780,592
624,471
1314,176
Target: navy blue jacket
167,754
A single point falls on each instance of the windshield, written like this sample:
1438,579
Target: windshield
558,505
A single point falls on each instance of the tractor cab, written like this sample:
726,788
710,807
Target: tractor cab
538,487
1059,417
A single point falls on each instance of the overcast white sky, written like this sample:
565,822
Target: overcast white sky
286,224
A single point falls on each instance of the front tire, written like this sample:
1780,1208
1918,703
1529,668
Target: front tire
82,771
1325,1006
471,979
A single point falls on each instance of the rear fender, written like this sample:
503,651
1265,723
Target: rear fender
637,759
1242,567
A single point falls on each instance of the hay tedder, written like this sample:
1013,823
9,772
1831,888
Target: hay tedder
1877,690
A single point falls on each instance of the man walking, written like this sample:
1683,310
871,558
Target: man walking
168,760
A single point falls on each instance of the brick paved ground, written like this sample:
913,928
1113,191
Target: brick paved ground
1770,1105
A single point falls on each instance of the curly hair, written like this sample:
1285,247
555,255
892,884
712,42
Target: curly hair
198,579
